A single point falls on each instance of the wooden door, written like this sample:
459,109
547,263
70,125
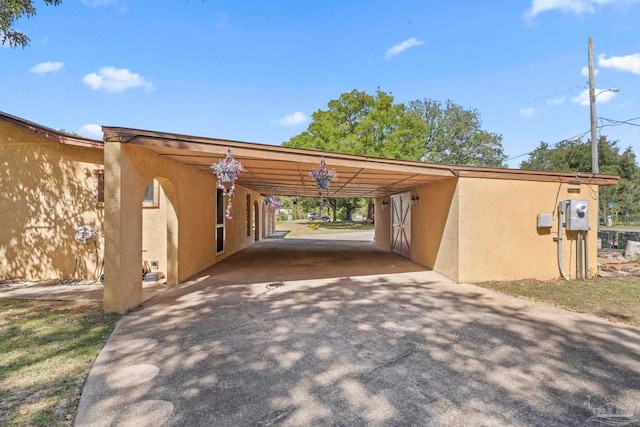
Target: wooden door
401,224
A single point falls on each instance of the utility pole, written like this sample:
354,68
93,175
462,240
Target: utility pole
592,104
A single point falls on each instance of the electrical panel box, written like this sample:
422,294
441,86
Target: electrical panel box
577,212
545,220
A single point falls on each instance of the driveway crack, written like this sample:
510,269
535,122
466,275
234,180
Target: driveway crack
392,362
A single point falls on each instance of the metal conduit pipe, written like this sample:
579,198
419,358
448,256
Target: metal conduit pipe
579,256
559,239
586,256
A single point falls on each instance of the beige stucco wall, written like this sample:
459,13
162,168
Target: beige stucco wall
435,228
190,193
154,232
382,222
499,235
474,229
236,236
46,192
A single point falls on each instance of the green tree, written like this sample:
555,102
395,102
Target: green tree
10,12
366,125
373,125
455,135
628,196
575,156
346,206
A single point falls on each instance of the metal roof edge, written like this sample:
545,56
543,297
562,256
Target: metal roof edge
52,134
129,135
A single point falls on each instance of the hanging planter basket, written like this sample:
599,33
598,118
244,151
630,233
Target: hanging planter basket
227,171
323,178
227,176
322,184
272,202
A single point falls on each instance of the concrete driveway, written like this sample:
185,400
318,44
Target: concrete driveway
312,332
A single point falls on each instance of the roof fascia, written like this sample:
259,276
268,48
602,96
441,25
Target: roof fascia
52,134
252,149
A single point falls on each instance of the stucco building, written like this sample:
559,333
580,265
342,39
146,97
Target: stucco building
47,189
468,223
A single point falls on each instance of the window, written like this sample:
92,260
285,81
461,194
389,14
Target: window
152,195
98,187
219,221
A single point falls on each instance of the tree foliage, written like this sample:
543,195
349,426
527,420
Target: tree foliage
366,125
373,125
455,135
10,12
575,156
426,130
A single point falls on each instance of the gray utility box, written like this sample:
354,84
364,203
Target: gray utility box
577,215
545,220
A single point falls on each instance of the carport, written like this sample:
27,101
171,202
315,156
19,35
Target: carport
442,217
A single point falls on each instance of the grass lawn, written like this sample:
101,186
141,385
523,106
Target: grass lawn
303,227
46,351
614,298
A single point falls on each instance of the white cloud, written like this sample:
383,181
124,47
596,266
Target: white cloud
47,67
91,131
585,71
401,47
293,119
576,7
556,101
602,95
630,63
120,4
527,112
114,79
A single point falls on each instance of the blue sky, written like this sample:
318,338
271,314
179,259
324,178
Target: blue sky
256,71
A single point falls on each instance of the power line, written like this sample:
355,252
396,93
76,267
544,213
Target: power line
552,146
534,101
610,123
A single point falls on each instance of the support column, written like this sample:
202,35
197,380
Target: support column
123,232
172,243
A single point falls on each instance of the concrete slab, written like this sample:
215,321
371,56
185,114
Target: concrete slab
303,332
70,291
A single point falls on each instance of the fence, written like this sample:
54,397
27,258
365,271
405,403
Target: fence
617,239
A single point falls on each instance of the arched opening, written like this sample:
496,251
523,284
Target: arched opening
264,221
160,232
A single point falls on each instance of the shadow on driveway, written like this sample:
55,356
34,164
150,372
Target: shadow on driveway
285,334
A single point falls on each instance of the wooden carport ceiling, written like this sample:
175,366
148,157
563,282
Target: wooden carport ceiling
291,176
281,170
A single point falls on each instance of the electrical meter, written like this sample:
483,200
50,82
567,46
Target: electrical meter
577,215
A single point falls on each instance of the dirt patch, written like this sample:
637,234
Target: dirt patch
612,263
